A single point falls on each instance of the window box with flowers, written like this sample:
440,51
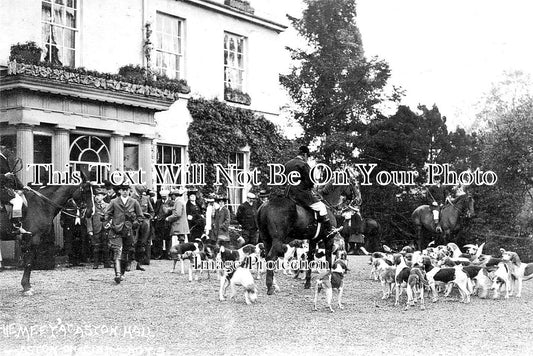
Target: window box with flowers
28,52
241,5
236,96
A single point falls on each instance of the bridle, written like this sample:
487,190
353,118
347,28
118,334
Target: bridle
64,209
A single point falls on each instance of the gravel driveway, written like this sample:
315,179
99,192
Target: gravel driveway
80,311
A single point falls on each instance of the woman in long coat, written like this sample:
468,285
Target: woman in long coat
180,226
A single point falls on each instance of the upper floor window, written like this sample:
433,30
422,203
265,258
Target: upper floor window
234,61
59,30
169,46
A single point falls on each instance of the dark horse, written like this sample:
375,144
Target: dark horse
43,205
449,218
281,220
343,202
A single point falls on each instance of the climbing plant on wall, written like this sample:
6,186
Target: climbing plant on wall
219,130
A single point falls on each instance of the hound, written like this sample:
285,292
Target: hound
519,271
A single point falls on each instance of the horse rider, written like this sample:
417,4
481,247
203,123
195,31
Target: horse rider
13,200
436,194
302,192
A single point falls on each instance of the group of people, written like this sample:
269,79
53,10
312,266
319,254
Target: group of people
133,224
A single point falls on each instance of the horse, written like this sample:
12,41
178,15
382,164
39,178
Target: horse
449,217
356,226
280,221
43,205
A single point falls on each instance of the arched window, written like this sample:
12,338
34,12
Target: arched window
86,150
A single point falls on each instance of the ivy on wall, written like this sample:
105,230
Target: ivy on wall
219,130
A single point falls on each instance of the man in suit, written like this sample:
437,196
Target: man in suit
302,192
142,239
122,216
96,231
246,215
71,221
163,208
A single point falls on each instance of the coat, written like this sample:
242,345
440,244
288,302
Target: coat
94,223
180,226
121,213
221,222
246,214
301,192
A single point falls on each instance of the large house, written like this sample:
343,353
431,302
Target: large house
71,119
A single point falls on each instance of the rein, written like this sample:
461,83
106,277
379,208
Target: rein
54,204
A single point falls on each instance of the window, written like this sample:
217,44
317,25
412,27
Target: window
171,156
42,153
59,31
131,157
234,61
235,192
169,46
85,150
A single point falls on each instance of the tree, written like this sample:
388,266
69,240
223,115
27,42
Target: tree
333,84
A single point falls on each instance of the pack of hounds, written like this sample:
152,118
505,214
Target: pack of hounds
443,267
235,268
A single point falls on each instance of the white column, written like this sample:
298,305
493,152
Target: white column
25,151
61,150
145,160
60,160
117,153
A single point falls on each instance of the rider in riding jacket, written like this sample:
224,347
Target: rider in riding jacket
302,192
13,200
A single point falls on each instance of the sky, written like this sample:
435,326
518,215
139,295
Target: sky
446,53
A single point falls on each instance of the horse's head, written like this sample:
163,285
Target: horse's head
83,196
465,205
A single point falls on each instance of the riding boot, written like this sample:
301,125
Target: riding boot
105,256
117,271
123,266
329,230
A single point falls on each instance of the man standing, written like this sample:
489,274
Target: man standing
302,192
96,231
246,215
70,221
221,220
142,235
111,193
122,215
180,226
163,209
